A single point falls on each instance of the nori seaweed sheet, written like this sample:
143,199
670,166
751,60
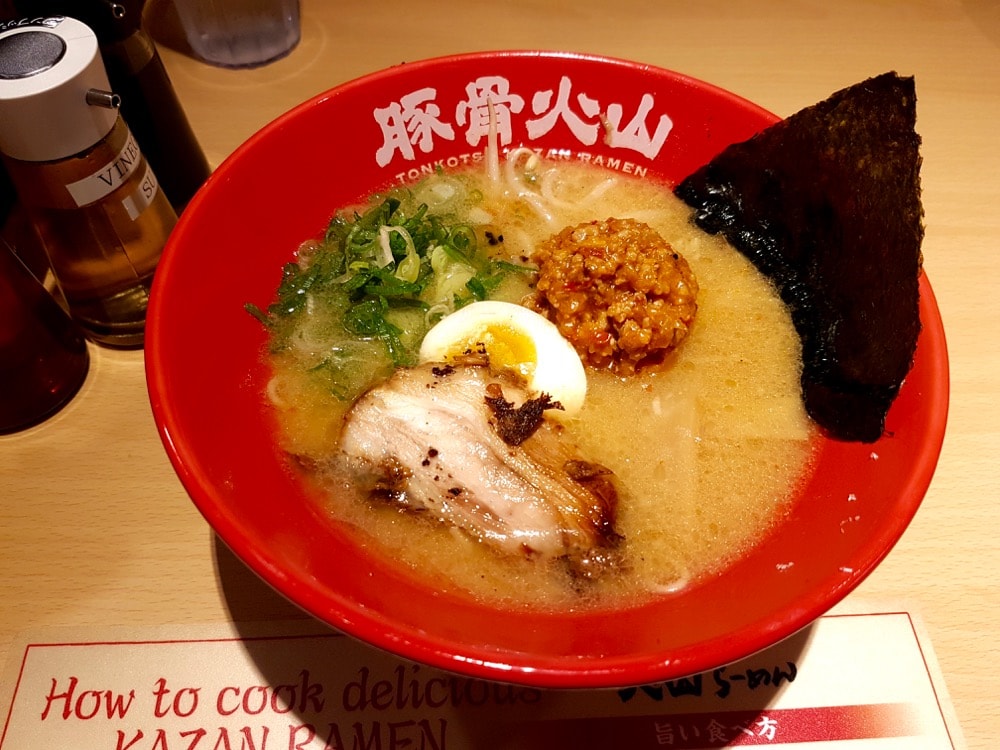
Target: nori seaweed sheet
827,204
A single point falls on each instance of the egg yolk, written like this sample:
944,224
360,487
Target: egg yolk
506,347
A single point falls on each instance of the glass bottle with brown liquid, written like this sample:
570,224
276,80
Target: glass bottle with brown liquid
93,197
150,105
43,355
104,252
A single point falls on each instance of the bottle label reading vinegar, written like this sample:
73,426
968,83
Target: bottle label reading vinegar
113,175
137,201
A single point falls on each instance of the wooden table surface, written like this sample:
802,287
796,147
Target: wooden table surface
95,528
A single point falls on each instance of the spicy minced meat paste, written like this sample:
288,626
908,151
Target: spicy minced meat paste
617,291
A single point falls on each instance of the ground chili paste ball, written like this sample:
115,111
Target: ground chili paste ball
617,291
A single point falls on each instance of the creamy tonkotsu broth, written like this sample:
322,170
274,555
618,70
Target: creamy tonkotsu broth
706,453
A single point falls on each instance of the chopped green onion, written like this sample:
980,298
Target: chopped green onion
397,261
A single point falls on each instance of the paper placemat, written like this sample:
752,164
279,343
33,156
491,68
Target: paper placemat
849,680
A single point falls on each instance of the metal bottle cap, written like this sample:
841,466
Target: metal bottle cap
47,68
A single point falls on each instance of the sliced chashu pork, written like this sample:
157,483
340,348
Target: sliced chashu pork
428,440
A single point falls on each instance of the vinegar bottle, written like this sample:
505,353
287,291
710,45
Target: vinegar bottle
149,103
79,171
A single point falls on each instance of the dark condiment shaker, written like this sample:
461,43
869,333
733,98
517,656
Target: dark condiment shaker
149,103
43,354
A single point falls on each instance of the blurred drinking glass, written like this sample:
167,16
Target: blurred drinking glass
240,33
43,354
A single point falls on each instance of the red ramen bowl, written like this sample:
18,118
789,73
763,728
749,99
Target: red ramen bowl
206,376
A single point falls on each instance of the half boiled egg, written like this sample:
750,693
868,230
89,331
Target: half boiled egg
516,339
